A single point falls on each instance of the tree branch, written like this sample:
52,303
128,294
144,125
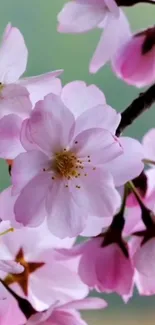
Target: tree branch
23,304
129,3
137,107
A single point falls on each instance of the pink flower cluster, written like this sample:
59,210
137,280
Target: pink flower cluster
72,175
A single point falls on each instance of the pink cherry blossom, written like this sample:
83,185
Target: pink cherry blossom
83,101
80,142
67,313
108,270
46,278
105,268
51,127
81,16
140,70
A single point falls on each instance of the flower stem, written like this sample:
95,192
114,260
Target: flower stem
6,231
23,304
119,221
146,213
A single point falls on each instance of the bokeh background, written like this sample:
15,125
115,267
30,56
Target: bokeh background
48,51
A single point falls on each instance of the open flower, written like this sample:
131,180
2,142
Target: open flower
85,102
65,168
81,16
64,158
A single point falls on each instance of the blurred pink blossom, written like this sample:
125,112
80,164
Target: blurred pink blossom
107,268
66,314
81,16
45,278
134,61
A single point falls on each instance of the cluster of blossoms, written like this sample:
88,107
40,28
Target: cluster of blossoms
73,174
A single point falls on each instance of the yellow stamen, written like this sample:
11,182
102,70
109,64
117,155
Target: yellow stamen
6,231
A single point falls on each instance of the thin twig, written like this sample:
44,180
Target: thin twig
137,107
129,3
23,304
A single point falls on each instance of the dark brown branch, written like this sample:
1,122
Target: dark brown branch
129,3
23,304
138,106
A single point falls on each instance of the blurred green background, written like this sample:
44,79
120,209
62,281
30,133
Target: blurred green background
49,50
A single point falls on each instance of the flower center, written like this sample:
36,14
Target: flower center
66,164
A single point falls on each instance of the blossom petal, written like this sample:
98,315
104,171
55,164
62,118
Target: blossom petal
42,85
95,225
111,4
65,218
14,99
65,283
114,270
25,136
87,303
96,146
79,97
26,166
116,32
13,55
149,144
78,18
128,165
69,317
50,124
10,145
101,197
102,116
32,213
145,285
144,259
7,202
11,267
